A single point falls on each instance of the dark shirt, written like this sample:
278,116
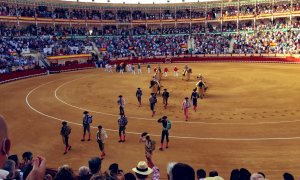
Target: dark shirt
165,94
139,93
194,95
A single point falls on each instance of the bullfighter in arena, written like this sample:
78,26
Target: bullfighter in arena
185,107
166,126
148,68
165,96
101,136
139,70
138,95
86,121
122,122
194,98
121,103
152,101
65,131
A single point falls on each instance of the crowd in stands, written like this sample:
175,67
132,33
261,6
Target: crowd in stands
117,41
11,58
278,40
35,168
126,16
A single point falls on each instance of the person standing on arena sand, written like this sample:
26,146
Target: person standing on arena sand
101,136
165,96
176,71
110,69
194,98
132,70
166,126
122,122
121,103
152,101
65,132
185,107
148,68
155,69
138,95
86,121
166,70
121,68
139,70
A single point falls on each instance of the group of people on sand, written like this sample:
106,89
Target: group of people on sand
122,120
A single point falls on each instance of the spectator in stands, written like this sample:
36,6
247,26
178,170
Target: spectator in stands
39,168
256,176
65,173
213,173
288,176
114,173
27,163
4,146
182,171
235,174
84,173
201,174
142,171
18,173
129,176
262,174
169,169
95,167
244,174
9,166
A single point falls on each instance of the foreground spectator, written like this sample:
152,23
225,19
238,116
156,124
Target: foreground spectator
4,146
95,167
84,173
129,176
244,174
18,173
182,171
114,173
38,169
65,173
235,174
288,176
256,176
169,169
142,171
10,167
201,174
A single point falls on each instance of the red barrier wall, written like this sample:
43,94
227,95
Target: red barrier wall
4,78
21,75
212,59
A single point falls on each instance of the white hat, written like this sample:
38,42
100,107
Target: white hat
142,168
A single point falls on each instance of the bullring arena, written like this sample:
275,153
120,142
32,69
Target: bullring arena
64,60
248,118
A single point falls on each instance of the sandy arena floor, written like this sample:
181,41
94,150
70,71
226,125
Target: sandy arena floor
249,118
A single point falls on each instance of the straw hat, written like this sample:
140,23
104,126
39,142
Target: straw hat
142,168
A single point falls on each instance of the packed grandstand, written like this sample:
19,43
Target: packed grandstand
56,29
241,27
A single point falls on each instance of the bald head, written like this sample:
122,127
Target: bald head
4,142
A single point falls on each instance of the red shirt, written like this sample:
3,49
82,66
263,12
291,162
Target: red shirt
154,69
175,69
166,70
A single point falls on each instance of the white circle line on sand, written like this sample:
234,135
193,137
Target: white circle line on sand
150,119
157,135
